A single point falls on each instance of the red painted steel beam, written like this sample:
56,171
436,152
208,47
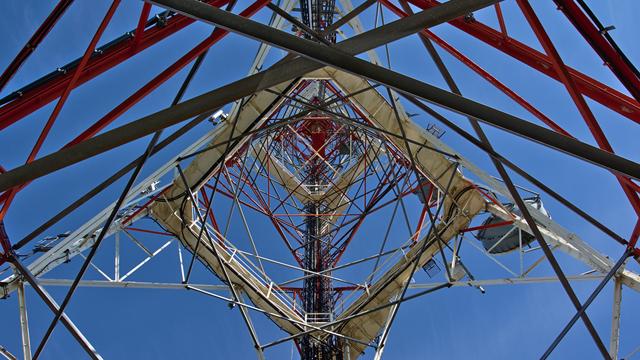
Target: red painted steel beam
142,23
480,71
34,41
212,217
5,244
481,227
611,57
588,86
423,215
42,94
63,98
216,35
503,26
74,78
563,73
634,238
4,239
154,83
629,187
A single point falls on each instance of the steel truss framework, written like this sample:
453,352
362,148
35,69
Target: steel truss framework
315,148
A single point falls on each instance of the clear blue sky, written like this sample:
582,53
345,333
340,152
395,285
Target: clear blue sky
505,323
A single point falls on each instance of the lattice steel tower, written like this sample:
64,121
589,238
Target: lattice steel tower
316,194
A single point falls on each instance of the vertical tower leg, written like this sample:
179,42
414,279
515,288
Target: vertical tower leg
317,301
24,323
116,258
259,352
346,351
614,344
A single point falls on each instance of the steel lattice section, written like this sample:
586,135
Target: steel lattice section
302,155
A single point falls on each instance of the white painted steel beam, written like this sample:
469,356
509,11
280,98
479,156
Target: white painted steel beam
614,344
24,323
